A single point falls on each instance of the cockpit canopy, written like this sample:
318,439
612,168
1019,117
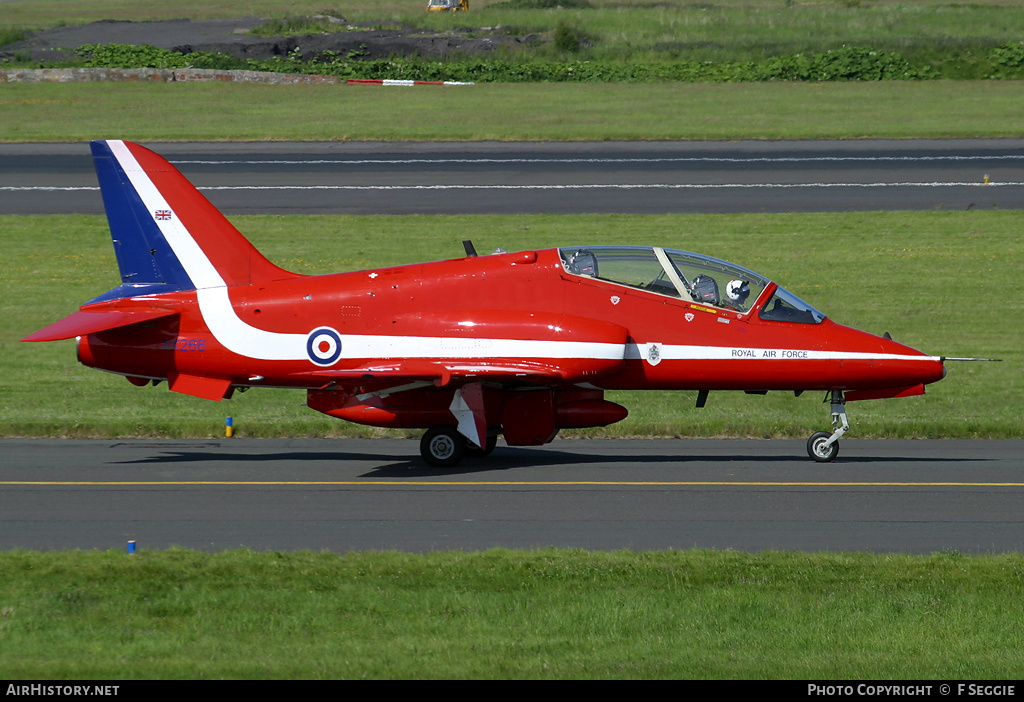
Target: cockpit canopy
688,276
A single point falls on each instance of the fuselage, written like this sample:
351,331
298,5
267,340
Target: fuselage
503,310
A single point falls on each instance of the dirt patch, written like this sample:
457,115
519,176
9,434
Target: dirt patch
230,37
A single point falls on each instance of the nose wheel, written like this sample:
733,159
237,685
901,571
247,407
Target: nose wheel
823,446
819,448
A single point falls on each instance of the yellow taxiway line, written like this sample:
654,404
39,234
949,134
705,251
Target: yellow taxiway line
488,483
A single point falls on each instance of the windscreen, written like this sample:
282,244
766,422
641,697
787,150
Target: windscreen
784,306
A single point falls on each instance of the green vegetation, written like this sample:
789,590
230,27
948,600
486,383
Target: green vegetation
646,40
550,614
842,64
718,30
944,282
9,35
290,26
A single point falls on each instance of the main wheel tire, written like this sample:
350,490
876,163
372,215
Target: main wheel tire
479,451
442,446
817,449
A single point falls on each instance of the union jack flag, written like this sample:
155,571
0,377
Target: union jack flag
163,214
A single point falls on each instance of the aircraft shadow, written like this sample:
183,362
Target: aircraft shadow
511,458
507,458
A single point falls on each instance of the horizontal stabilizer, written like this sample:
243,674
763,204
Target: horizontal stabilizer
90,322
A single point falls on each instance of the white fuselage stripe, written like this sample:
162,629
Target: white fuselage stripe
677,352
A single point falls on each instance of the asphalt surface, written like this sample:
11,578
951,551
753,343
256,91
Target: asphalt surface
522,178
340,495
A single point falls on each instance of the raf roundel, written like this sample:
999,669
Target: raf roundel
323,346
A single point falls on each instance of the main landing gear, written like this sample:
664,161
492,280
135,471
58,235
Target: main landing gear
823,446
443,446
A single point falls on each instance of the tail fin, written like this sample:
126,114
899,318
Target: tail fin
165,233
167,237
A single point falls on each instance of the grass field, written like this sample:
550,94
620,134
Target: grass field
890,272
555,112
551,614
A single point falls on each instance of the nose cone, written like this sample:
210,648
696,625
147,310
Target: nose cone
917,367
920,366
872,362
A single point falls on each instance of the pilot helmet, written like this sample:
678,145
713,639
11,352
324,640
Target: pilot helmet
737,291
704,289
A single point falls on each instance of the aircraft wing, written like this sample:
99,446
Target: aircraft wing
369,386
441,373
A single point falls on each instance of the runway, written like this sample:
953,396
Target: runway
526,178
352,494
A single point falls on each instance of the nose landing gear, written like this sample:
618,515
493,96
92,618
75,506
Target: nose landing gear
823,447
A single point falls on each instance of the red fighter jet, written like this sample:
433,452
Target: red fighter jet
514,344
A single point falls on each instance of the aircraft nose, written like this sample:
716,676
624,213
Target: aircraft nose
918,366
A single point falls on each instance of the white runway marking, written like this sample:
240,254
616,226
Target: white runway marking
667,159
567,186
